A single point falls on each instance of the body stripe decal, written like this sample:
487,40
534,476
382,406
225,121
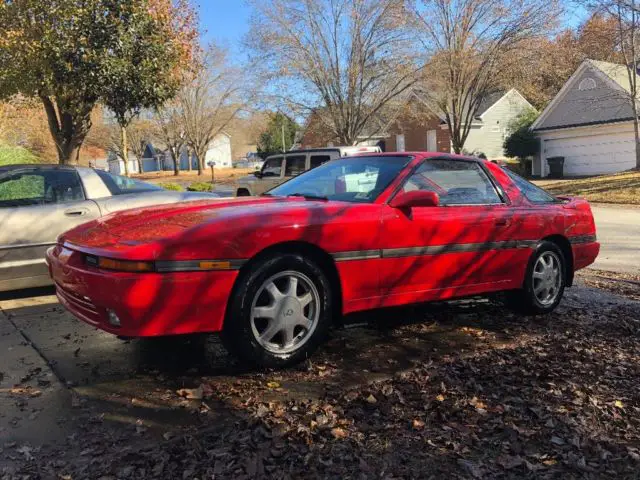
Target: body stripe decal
442,249
197,265
583,239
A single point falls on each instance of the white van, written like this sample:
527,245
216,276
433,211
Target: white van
281,167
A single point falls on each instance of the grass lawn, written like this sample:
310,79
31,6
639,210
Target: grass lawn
619,188
223,176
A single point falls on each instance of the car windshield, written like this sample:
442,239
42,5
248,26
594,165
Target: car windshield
351,179
119,185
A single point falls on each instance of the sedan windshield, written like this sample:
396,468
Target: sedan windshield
351,179
119,185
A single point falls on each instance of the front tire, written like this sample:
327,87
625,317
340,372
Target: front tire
279,313
544,281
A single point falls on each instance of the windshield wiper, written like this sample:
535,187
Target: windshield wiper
308,196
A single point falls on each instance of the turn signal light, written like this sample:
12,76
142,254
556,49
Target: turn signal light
125,265
214,265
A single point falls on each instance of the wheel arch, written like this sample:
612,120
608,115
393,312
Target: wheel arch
324,260
565,246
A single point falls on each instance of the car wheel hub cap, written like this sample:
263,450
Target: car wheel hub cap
285,312
547,278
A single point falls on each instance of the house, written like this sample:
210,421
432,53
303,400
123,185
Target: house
490,126
589,123
419,128
317,135
155,159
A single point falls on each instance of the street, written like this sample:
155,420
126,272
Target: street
618,230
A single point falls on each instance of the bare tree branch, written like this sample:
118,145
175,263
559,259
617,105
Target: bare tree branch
345,61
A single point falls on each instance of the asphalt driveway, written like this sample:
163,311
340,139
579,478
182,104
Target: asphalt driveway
618,230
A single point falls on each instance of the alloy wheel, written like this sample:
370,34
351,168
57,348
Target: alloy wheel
547,278
285,312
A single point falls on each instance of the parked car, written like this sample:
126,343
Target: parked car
273,273
38,202
277,169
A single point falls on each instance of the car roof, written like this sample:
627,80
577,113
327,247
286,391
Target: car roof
42,166
422,155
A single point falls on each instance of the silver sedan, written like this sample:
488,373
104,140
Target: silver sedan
39,202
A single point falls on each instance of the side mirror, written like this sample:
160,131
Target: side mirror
258,173
416,198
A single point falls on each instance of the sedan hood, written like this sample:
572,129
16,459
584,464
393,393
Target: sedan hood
118,203
160,231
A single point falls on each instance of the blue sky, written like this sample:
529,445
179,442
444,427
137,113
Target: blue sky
227,21
224,21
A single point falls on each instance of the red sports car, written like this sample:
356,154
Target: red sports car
272,273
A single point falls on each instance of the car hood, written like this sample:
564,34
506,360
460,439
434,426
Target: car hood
161,231
118,203
247,180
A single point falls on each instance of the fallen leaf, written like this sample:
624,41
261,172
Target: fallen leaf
619,404
191,393
338,432
417,424
371,399
440,398
273,385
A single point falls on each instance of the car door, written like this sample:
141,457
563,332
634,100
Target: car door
271,175
451,249
36,205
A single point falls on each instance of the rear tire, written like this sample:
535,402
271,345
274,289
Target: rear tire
544,281
279,313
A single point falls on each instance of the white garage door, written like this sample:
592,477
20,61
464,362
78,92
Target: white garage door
593,154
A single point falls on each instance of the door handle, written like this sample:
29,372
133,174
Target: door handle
76,212
502,223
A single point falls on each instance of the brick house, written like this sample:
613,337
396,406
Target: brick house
416,129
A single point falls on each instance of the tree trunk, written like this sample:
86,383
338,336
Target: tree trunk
200,158
124,150
140,163
68,131
190,162
636,131
176,160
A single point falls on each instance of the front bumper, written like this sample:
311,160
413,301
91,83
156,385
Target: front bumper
147,304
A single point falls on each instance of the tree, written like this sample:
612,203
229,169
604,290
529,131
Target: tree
170,131
214,97
72,54
279,135
473,43
522,142
345,60
138,134
544,66
627,15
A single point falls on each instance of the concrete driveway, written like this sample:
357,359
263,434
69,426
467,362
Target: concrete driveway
618,231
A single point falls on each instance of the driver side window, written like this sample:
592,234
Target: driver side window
272,167
40,187
456,182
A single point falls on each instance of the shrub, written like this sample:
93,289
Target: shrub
199,187
16,155
171,186
522,142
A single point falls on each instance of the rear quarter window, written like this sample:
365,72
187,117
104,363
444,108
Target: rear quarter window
531,192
